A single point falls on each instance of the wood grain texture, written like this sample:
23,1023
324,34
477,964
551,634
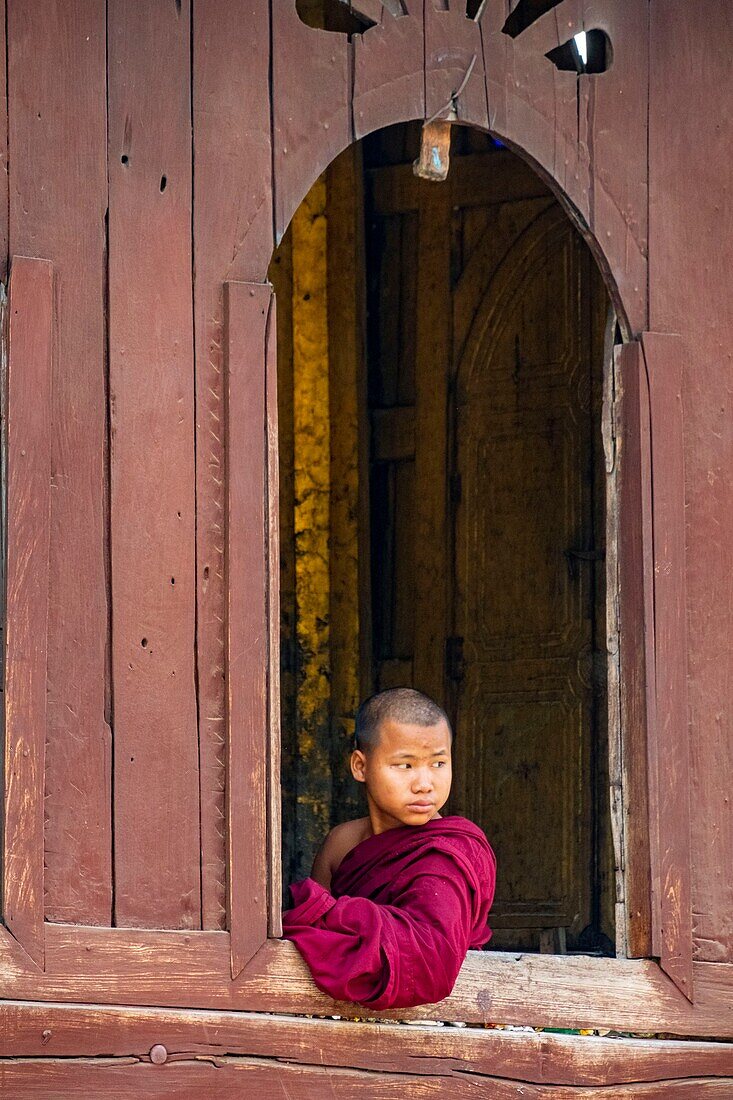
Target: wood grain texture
312,123
273,866
27,401
231,1078
389,68
635,584
4,188
665,358
58,199
249,314
147,967
232,229
37,1030
454,60
152,478
690,224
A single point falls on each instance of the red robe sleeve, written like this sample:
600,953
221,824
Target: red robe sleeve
385,956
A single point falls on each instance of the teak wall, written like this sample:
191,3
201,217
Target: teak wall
152,153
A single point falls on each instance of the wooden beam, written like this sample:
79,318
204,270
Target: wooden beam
148,967
27,466
74,1031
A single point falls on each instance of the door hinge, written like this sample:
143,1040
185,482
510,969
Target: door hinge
454,663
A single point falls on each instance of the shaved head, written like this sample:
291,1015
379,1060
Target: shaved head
404,705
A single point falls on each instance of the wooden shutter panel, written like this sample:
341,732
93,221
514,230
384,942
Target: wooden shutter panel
253,617
28,456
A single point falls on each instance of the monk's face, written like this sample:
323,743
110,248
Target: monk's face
407,773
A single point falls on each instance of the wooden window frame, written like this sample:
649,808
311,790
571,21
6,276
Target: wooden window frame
249,967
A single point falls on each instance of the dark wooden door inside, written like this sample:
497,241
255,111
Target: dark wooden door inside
487,322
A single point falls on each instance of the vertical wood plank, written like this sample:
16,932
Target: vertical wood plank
249,323
232,229
635,584
664,356
274,811
58,200
28,441
156,783
4,191
432,366
689,221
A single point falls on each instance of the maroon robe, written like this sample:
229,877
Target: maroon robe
406,906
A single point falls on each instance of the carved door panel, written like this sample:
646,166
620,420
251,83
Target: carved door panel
524,573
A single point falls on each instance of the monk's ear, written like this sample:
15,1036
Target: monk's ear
358,766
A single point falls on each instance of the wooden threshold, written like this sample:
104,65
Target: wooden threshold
187,969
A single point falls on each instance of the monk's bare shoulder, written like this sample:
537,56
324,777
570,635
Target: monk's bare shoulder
338,844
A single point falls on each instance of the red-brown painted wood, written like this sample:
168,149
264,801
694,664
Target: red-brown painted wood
232,1078
665,360
152,528
273,868
250,321
4,194
232,239
52,1031
148,967
690,227
27,409
636,623
58,199
312,115
454,62
389,71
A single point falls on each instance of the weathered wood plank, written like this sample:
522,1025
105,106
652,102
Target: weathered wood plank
688,294
152,472
389,73
27,405
143,966
454,63
634,585
311,82
232,231
665,358
230,1078
4,189
60,126
273,865
37,1030
249,321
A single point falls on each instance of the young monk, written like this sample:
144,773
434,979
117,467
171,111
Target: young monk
396,898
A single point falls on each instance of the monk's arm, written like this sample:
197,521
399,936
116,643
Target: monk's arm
385,956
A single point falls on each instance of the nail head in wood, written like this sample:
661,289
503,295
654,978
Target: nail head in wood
158,1054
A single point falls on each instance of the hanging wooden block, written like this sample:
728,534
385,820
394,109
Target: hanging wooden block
434,160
